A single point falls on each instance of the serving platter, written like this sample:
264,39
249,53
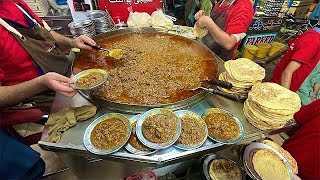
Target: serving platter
248,155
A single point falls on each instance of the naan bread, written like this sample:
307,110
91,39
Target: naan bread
199,32
242,74
269,166
224,169
158,19
275,97
270,106
139,19
285,153
258,123
245,70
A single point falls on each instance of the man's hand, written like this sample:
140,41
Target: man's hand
80,42
58,83
199,14
204,21
316,88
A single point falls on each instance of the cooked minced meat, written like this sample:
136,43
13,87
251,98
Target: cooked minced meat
154,69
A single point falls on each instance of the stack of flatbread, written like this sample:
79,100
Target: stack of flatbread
270,106
242,73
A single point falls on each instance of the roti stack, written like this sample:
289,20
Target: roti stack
242,74
270,106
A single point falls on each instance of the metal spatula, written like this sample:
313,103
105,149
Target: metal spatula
233,97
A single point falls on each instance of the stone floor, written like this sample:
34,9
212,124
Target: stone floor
56,169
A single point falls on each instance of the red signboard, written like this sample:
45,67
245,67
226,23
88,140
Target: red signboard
119,9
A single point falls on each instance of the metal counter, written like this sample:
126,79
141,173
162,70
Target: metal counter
71,140
70,148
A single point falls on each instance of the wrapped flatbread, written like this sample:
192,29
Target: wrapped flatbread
139,19
160,20
199,32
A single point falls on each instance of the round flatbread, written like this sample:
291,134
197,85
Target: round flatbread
285,153
224,169
199,32
269,166
275,97
139,19
266,116
238,84
245,70
258,123
158,19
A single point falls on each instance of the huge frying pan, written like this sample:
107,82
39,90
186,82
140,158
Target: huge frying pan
138,108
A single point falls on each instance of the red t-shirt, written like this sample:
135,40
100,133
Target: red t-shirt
239,17
16,65
304,145
304,49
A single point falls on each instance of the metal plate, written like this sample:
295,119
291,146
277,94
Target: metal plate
86,137
248,155
86,72
210,158
132,149
151,144
185,113
232,141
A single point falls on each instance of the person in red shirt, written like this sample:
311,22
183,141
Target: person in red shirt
20,76
31,64
227,26
304,145
299,61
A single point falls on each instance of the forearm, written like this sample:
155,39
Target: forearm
13,95
286,79
62,40
222,38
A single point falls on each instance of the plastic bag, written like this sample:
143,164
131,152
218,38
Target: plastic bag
139,19
159,19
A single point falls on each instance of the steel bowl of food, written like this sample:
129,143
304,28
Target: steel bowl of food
107,134
134,145
158,128
223,126
194,130
218,167
89,79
